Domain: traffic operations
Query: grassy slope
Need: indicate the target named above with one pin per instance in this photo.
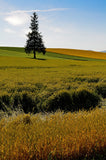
(23, 73)
(80, 53)
(12, 52)
(19, 52)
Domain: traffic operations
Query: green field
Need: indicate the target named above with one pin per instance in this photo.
(48, 74)
(40, 85)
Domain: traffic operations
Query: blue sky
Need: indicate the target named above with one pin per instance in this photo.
(77, 24)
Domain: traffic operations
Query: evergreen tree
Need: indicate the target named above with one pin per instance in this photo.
(34, 42)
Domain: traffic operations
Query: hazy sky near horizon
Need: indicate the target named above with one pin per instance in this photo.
(77, 24)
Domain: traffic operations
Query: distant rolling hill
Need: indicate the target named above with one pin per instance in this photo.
(104, 51)
(79, 53)
(55, 53)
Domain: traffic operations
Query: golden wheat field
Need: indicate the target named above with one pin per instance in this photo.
(80, 53)
(53, 136)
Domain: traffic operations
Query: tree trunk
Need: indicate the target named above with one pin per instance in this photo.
(34, 54)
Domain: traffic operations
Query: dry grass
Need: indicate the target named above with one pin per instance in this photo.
(80, 53)
(53, 136)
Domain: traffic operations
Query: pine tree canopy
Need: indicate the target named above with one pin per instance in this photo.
(34, 42)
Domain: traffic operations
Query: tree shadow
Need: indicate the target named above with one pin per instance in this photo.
(42, 59)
